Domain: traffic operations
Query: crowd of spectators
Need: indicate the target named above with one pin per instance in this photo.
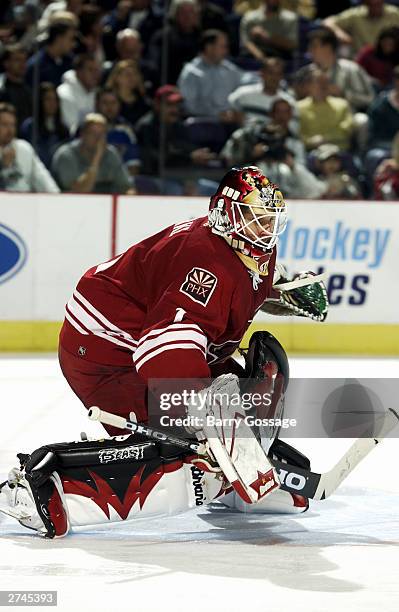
(154, 96)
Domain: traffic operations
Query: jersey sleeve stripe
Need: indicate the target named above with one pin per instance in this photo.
(92, 325)
(114, 340)
(100, 317)
(182, 335)
(167, 347)
(74, 323)
(171, 327)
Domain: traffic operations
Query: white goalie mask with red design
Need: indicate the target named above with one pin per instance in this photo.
(249, 211)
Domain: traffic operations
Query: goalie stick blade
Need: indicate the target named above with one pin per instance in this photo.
(297, 480)
(320, 486)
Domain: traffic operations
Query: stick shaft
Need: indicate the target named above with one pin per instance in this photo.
(320, 486)
(95, 414)
(300, 282)
(292, 479)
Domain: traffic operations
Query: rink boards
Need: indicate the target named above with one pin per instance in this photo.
(48, 241)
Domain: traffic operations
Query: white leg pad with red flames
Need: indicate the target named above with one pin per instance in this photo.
(101, 482)
(176, 491)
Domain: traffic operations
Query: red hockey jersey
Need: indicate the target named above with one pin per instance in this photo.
(172, 304)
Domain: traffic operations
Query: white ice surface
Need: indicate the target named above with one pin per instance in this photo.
(342, 555)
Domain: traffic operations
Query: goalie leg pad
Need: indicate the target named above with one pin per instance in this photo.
(105, 481)
(42, 508)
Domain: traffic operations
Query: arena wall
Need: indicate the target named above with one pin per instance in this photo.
(48, 241)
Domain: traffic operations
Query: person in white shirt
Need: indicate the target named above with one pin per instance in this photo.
(78, 91)
(20, 167)
(255, 101)
(347, 79)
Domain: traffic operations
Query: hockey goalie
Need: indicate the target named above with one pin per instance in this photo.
(174, 307)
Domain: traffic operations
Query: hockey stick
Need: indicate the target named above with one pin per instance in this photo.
(320, 486)
(293, 479)
(95, 414)
(300, 282)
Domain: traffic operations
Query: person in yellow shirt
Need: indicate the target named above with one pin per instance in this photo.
(324, 118)
(361, 25)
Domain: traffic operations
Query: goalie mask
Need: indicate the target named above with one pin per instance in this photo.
(248, 211)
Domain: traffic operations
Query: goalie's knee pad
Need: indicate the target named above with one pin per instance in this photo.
(267, 377)
(104, 481)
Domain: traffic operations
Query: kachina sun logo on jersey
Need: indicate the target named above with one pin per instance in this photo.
(13, 253)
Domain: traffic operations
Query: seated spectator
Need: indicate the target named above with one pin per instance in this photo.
(324, 118)
(386, 179)
(305, 8)
(182, 36)
(55, 57)
(72, 6)
(109, 105)
(380, 59)
(120, 133)
(51, 132)
(280, 156)
(282, 115)
(384, 116)
(127, 82)
(212, 16)
(269, 31)
(347, 79)
(261, 138)
(90, 32)
(20, 168)
(339, 184)
(383, 125)
(180, 154)
(78, 91)
(129, 47)
(254, 101)
(207, 81)
(142, 15)
(20, 20)
(12, 87)
(88, 164)
(360, 25)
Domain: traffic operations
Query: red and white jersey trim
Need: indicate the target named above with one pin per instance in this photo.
(87, 319)
(174, 336)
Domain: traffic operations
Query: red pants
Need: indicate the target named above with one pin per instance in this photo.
(113, 388)
(116, 389)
